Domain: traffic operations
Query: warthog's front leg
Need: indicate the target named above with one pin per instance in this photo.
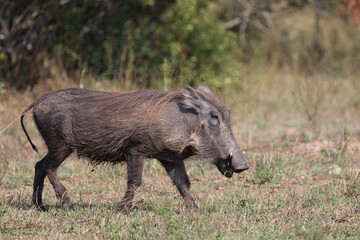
(178, 175)
(135, 167)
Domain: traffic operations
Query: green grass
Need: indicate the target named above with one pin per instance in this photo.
(263, 203)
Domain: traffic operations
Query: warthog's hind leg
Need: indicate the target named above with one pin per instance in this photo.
(54, 161)
(39, 184)
(47, 167)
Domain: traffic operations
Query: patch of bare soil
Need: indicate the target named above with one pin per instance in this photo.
(351, 146)
(7, 142)
(313, 147)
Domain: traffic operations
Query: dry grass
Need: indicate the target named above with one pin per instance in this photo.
(303, 182)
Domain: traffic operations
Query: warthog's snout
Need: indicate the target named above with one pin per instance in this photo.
(231, 164)
(239, 165)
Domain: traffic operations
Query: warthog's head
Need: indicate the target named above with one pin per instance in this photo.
(213, 138)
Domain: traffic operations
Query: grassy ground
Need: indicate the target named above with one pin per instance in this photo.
(302, 140)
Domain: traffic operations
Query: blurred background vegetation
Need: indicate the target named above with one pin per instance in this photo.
(172, 43)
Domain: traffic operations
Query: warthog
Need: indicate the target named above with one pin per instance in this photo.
(110, 127)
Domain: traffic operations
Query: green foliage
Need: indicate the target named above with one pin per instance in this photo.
(194, 46)
(127, 42)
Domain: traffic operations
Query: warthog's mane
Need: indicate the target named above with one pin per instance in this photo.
(155, 101)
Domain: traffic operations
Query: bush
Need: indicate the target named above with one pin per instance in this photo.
(135, 42)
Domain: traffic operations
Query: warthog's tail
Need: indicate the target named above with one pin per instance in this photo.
(23, 127)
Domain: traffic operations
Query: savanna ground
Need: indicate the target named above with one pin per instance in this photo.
(302, 140)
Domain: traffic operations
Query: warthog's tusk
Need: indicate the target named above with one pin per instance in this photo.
(228, 162)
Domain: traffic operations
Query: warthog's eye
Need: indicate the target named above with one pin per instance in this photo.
(214, 119)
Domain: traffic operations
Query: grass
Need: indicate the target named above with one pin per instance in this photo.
(291, 190)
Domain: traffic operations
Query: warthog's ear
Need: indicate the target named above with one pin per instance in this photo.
(205, 90)
(192, 100)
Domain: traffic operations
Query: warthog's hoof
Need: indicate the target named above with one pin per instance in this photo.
(65, 206)
(125, 208)
(40, 208)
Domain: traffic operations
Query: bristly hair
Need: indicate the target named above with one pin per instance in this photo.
(156, 101)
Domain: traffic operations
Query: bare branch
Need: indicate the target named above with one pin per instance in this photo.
(262, 21)
(242, 31)
(261, 27)
(245, 4)
(261, 13)
(232, 23)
